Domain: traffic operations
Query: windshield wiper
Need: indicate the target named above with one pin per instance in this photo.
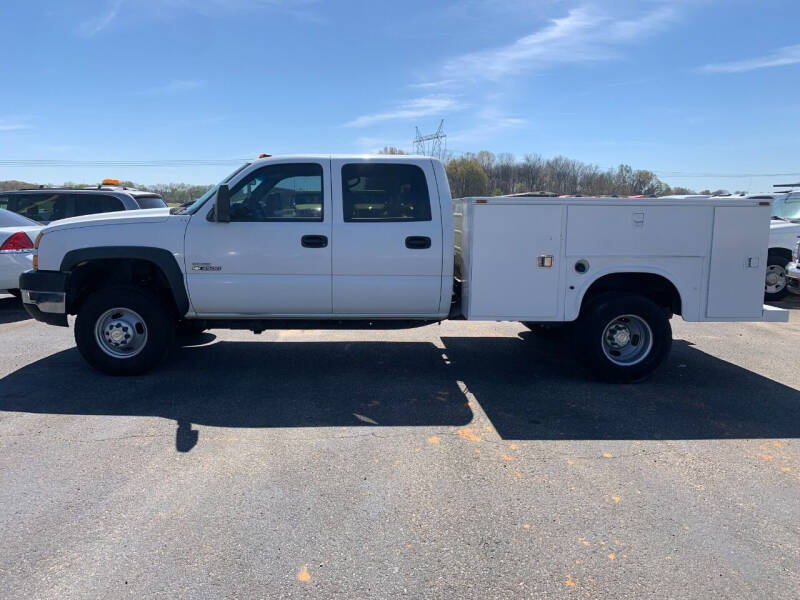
(779, 218)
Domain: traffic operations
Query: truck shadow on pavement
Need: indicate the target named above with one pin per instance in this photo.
(527, 390)
(11, 310)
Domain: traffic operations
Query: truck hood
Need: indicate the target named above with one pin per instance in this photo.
(783, 226)
(125, 217)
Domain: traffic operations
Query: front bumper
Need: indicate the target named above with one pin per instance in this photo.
(793, 277)
(44, 296)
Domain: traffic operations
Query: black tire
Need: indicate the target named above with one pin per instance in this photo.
(156, 319)
(591, 335)
(16, 293)
(547, 331)
(777, 261)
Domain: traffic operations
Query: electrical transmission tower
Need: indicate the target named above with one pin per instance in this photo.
(432, 145)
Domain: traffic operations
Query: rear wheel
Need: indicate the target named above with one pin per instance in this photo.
(123, 330)
(623, 337)
(775, 284)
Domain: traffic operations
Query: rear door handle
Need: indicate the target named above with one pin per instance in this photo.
(418, 242)
(314, 241)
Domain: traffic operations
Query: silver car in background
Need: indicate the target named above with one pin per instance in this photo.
(17, 237)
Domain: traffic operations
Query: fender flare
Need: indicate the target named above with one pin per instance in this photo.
(621, 270)
(163, 259)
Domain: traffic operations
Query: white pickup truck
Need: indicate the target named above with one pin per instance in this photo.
(784, 233)
(377, 241)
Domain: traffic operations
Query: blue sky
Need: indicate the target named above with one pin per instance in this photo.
(680, 87)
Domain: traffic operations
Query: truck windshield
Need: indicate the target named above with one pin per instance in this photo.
(787, 207)
(195, 206)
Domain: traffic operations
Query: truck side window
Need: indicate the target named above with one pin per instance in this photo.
(42, 207)
(91, 204)
(384, 192)
(285, 192)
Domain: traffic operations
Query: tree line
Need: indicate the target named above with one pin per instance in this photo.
(486, 173)
(172, 193)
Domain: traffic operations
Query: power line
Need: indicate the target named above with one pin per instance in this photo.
(183, 162)
(735, 175)
(429, 145)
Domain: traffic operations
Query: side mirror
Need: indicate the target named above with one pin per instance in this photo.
(222, 207)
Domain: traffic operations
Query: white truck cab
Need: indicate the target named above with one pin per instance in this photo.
(377, 241)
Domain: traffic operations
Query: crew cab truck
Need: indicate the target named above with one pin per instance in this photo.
(377, 241)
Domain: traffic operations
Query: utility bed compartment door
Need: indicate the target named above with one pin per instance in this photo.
(738, 262)
(638, 230)
(506, 281)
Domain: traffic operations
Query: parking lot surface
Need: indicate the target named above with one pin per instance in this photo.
(456, 461)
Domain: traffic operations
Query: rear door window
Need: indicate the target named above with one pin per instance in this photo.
(384, 192)
(43, 207)
(90, 204)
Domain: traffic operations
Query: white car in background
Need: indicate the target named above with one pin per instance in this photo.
(17, 236)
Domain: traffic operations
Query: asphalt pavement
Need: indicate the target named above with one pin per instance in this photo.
(462, 460)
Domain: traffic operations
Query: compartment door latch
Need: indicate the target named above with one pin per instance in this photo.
(544, 261)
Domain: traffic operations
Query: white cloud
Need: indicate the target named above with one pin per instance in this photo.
(435, 104)
(487, 123)
(97, 24)
(13, 125)
(175, 86)
(429, 85)
(584, 35)
(788, 55)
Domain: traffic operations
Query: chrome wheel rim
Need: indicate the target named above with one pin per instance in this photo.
(627, 340)
(120, 332)
(776, 279)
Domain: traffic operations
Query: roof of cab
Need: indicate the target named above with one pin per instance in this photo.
(375, 157)
(102, 189)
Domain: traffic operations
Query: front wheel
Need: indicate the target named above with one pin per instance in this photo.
(775, 284)
(623, 337)
(123, 330)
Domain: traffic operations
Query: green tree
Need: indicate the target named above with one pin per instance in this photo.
(390, 150)
(467, 178)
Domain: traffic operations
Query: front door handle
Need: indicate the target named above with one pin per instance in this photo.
(314, 241)
(418, 242)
